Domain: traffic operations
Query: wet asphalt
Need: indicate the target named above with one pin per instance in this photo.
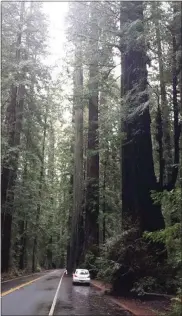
(37, 298)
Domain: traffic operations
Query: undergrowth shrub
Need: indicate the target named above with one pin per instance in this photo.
(176, 309)
(131, 264)
(125, 260)
(171, 236)
(90, 262)
(134, 265)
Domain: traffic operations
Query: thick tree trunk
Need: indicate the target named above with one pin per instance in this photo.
(23, 223)
(34, 254)
(69, 224)
(180, 64)
(51, 179)
(76, 242)
(103, 225)
(60, 243)
(41, 179)
(14, 117)
(92, 194)
(166, 160)
(180, 109)
(138, 178)
(81, 235)
(23, 242)
(159, 137)
(49, 253)
(68, 259)
(103, 173)
(104, 201)
(176, 32)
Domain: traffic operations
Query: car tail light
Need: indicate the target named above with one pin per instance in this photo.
(74, 275)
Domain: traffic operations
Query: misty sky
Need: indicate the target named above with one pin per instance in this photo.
(56, 12)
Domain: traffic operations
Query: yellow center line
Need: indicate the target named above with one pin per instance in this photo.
(20, 286)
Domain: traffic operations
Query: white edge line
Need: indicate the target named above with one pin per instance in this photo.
(55, 297)
(25, 276)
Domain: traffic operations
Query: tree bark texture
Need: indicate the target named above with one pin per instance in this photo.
(92, 194)
(14, 118)
(166, 160)
(41, 179)
(76, 242)
(138, 177)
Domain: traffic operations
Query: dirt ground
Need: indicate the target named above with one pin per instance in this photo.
(138, 307)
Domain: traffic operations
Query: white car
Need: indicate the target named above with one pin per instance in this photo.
(81, 276)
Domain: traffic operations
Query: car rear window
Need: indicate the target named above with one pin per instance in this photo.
(83, 272)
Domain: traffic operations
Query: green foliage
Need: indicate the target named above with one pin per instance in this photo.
(176, 307)
(146, 284)
(171, 235)
(106, 268)
(127, 254)
(121, 252)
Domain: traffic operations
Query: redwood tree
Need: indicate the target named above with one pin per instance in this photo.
(138, 177)
(92, 192)
(75, 243)
(14, 118)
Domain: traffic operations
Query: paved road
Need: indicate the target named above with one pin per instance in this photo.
(36, 298)
(9, 284)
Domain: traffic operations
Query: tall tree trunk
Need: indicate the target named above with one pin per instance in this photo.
(104, 199)
(92, 203)
(23, 242)
(22, 225)
(78, 160)
(23, 222)
(41, 179)
(166, 160)
(177, 129)
(61, 247)
(138, 177)
(103, 172)
(69, 224)
(159, 138)
(14, 117)
(51, 179)
(180, 63)
(63, 228)
(180, 86)
(85, 145)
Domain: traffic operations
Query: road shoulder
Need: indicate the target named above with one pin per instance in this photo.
(135, 306)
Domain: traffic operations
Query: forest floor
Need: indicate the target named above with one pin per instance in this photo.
(138, 307)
